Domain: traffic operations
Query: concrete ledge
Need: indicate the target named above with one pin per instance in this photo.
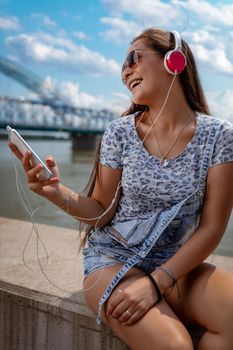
(45, 313)
(34, 313)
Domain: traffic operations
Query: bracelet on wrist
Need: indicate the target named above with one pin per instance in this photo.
(168, 273)
(63, 205)
(66, 204)
(159, 294)
(174, 281)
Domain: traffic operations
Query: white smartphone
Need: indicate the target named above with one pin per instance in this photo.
(23, 146)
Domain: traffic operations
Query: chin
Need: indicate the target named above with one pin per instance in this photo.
(140, 97)
(139, 101)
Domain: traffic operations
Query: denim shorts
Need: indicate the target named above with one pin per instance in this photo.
(95, 260)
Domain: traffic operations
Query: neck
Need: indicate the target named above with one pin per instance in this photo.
(173, 113)
(168, 119)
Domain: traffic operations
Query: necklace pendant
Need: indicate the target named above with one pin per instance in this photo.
(163, 162)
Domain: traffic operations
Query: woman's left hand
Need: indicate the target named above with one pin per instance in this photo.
(128, 305)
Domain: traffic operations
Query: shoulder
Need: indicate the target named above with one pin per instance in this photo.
(208, 121)
(223, 139)
(117, 131)
(224, 127)
(120, 127)
(122, 122)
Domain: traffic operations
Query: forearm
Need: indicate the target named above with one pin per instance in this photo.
(202, 243)
(84, 209)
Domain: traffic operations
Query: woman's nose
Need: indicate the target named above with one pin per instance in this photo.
(127, 72)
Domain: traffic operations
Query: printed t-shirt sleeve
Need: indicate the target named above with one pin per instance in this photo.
(223, 149)
(110, 150)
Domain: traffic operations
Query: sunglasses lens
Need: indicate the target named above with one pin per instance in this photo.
(130, 61)
(131, 57)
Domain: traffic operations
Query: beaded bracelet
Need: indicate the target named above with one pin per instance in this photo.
(159, 294)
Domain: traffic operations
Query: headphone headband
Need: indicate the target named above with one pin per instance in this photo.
(178, 44)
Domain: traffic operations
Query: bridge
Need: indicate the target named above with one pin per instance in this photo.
(48, 112)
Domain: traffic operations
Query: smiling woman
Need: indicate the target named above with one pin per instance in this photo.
(154, 209)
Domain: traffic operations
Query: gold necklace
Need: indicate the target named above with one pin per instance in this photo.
(162, 157)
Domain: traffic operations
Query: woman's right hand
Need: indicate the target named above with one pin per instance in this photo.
(45, 188)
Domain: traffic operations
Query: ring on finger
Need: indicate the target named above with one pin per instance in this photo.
(129, 313)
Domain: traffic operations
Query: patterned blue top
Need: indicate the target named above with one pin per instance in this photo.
(148, 186)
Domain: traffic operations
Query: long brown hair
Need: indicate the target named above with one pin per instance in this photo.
(161, 42)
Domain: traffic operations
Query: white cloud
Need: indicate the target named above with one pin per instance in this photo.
(201, 36)
(61, 53)
(69, 93)
(213, 59)
(120, 29)
(209, 13)
(49, 22)
(221, 104)
(118, 103)
(150, 11)
(173, 14)
(9, 23)
(59, 40)
(46, 20)
(212, 49)
(159, 13)
(146, 13)
(81, 35)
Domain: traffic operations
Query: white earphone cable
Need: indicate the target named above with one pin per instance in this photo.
(31, 213)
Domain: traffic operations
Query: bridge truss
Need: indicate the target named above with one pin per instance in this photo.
(49, 112)
(36, 115)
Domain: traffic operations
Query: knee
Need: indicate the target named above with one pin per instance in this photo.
(179, 342)
(171, 341)
(180, 345)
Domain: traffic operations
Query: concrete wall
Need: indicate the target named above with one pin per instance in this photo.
(46, 311)
(28, 324)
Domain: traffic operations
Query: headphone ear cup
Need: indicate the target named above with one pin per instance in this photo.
(175, 62)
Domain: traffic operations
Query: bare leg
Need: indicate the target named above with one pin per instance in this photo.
(158, 329)
(207, 299)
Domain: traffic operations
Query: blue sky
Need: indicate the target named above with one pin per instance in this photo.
(76, 47)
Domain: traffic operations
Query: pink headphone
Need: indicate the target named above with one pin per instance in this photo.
(174, 60)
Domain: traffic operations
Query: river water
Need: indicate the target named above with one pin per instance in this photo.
(75, 169)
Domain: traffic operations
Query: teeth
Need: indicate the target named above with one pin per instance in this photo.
(134, 83)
